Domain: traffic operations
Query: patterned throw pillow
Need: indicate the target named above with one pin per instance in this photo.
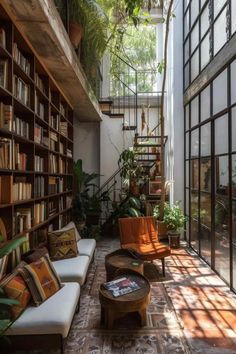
(15, 287)
(62, 244)
(41, 279)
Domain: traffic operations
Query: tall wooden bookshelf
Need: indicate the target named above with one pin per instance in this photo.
(36, 136)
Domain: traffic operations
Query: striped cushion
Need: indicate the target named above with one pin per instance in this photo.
(62, 244)
(15, 288)
(41, 279)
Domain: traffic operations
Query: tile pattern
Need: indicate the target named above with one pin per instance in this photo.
(191, 311)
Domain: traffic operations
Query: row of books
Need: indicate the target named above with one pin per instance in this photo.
(6, 116)
(54, 121)
(22, 220)
(4, 73)
(39, 187)
(39, 107)
(40, 213)
(52, 210)
(21, 90)
(40, 135)
(38, 163)
(19, 158)
(39, 83)
(5, 153)
(55, 185)
(62, 165)
(53, 140)
(20, 127)
(21, 59)
(64, 128)
(53, 164)
(2, 37)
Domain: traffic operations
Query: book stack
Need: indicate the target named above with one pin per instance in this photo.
(21, 127)
(19, 158)
(38, 163)
(5, 153)
(39, 213)
(52, 185)
(22, 220)
(39, 107)
(21, 59)
(40, 135)
(51, 208)
(2, 37)
(68, 201)
(69, 152)
(6, 116)
(64, 128)
(39, 187)
(53, 140)
(62, 110)
(62, 165)
(21, 190)
(54, 121)
(21, 90)
(3, 73)
(39, 83)
(53, 165)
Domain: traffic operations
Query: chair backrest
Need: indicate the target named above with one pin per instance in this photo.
(141, 230)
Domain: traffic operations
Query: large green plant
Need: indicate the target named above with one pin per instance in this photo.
(173, 216)
(6, 303)
(130, 168)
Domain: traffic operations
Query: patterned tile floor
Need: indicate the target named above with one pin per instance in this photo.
(191, 311)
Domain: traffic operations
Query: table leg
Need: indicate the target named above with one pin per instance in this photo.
(102, 315)
(109, 319)
(143, 317)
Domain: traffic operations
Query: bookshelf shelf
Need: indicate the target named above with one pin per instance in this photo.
(36, 128)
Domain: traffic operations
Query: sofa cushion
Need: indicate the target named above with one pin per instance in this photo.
(15, 288)
(46, 319)
(70, 226)
(86, 247)
(62, 244)
(41, 278)
(72, 269)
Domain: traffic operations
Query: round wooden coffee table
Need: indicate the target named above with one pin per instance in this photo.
(116, 307)
(121, 259)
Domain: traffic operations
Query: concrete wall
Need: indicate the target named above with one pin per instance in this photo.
(175, 113)
(87, 145)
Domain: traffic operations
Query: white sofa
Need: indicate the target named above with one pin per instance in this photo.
(53, 318)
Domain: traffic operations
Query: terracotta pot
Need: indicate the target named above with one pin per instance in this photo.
(75, 33)
(174, 239)
(162, 230)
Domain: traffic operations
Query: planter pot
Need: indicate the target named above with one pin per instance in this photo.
(75, 33)
(174, 239)
(162, 230)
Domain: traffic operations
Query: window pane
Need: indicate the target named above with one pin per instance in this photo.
(195, 143)
(220, 92)
(205, 175)
(194, 112)
(233, 82)
(186, 76)
(195, 37)
(205, 51)
(187, 117)
(218, 4)
(187, 201)
(194, 174)
(220, 35)
(186, 51)
(186, 2)
(186, 24)
(222, 175)
(194, 235)
(234, 242)
(203, 2)
(204, 21)
(187, 145)
(205, 235)
(234, 177)
(195, 65)
(206, 140)
(194, 10)
(233, 130)
(233, 16)
(205, 103)
(205, 209)
(221, 135)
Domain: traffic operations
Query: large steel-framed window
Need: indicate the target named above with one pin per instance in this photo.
(208, 26)
(210, 173)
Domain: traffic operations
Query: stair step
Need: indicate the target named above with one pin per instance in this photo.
(147, 145)
(146, 160)
(117, 115)
(147, 153)
(129, 127)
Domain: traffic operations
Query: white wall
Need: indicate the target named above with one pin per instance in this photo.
(87, 145)
(175, 113)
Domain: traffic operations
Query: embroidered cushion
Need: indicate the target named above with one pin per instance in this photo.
(62, 244)
(15, 287)
(41, 279)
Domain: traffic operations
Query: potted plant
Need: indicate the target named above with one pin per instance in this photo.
(174, 219)
(162, 227)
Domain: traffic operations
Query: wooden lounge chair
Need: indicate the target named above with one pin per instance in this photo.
(139, 235)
